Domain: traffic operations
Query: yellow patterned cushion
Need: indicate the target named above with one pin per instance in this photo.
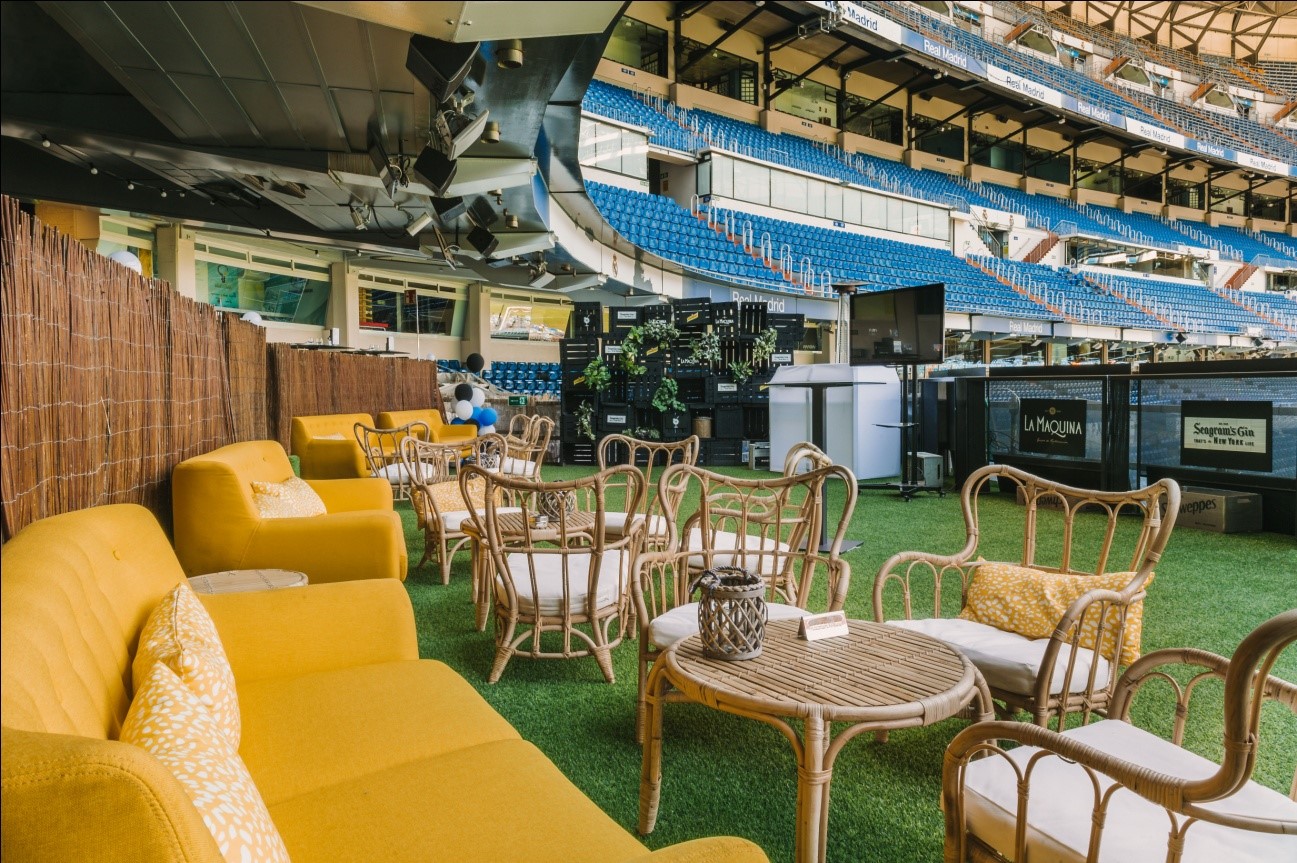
(292, 498)
(449, 498)
(180, 634)
(169, 722)
(1030, 602)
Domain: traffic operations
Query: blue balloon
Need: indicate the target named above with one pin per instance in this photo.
(457, 422)
(477, 415)
(488, 416)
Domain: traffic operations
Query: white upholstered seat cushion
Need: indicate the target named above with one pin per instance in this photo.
(395, 473)
(1136, 830)
(519, 467)
(613, 573)
(752, 556)
(682, 621)
(1008, 661)
(454, 521)
(614, 524)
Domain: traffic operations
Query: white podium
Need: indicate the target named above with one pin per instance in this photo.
(855, 400)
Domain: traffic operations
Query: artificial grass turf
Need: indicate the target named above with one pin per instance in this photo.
(727, 775)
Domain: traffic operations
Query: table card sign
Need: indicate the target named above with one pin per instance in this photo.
(1229, 435)
(830, 624)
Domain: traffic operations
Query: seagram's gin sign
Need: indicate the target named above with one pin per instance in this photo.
(1229, 435)
(1052, 427)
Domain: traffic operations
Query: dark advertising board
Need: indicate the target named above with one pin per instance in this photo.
(1230, 435)
(1052, 427)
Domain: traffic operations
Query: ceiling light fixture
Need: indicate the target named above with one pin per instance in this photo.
(510, 56)
(418, 223)
(491, 135)
(93, 170)
(511, 220)
(359, 218)
(130, 186)
(45, 142)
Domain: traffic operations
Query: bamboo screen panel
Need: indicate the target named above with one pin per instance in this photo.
(109, 379)
(311, 382)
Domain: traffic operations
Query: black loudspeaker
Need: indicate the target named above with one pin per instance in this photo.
(440, 66)
(482, 213)
(449, 209)
(483, 240)
(436, 171)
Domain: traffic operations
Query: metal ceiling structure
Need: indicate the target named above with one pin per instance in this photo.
(261, 115)
(1242, 29)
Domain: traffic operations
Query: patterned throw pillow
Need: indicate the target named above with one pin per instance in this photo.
(449, 498)
(1030, 602)
(292, 498)
(180, 634)
(172, 724)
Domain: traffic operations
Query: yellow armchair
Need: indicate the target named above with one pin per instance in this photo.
(440, 430)
(217, 526)
(326, 446)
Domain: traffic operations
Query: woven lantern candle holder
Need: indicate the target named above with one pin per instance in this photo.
(731, 612)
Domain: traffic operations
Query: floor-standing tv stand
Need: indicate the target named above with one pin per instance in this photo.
(909, 484)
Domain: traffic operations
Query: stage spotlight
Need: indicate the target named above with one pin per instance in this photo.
(483, 240)
(457, 131)
(481, 213)
(390, 174)
(510, 56)
(359, 218)
(418, 223)
(540, 277)
(440, 66)
(436, 171)
(1181, 338)
(449, 209)
(491, 134)
(511, 220)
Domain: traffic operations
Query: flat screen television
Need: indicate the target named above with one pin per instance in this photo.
(897, 327)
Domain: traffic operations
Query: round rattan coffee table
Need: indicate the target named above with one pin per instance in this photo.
(877, 678)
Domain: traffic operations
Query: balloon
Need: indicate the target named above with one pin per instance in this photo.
(463, 392)
(129, 260)
(478, 398)
(475, 363)
(477, 415)
(489, 416)
(463, 410)
(486, 430)
(457, 422)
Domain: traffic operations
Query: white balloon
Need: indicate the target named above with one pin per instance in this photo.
(464, 409)
(128, 260)
(486, 430)
(479, 397)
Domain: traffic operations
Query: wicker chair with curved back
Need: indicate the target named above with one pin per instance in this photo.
(767, 526)
(1112, 791)
(528, 439)
(567, 576)
(1067, 662)
(382, 450)
(650, 457)
(438, 501)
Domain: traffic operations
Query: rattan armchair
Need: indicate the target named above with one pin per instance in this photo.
(1094, 532)
(1114, 792)
(382, 450)
(770, 526)
(568, 576)
(528, 439)
(439, 504)
(650, 457)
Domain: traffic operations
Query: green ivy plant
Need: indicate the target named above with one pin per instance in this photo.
(667, 396)
(706, 349)
(764, 347)
(585, 420)
(598, 375)
(741, 371)
(644, 433)
(638, 338)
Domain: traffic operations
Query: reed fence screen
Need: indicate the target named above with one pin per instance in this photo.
(109, 379)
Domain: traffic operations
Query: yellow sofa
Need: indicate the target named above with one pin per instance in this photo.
(217, 526)
(360, 750)
(441, 431)
(326, 446)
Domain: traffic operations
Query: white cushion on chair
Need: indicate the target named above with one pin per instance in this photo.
(395, 473)
(614, 524)
(454, 521)
(613, 574)
(682, 621)
(519, 467)
(1136, 830)
(1007, 660)
(750, 558)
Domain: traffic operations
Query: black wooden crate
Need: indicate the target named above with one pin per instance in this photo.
(756, 389)
(682, 356)
(694, 314)
(721, 453)
(578, 453)
(659, 312)
(722, 390)
(578, 352)
(615, 418)
(727, 422)
(756, 421)
(694, 390)
(622, 318)
(674, 425)
(586, 320)
(725, 318)
(574, 380)
(752, 318)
